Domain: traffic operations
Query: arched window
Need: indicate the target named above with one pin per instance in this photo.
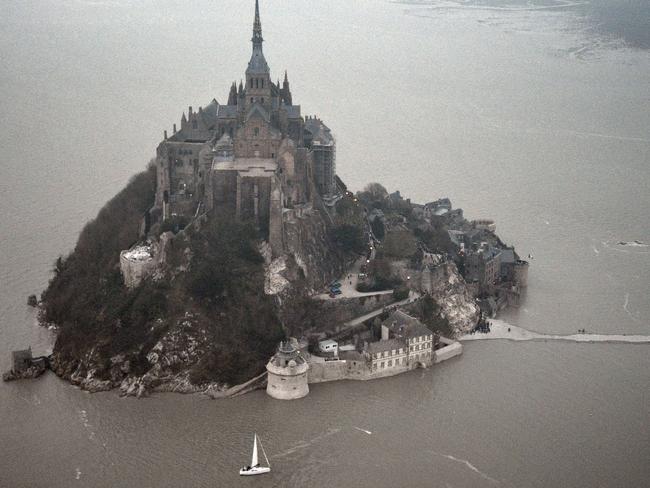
(262, 82)
(256, 131)
(257, 83)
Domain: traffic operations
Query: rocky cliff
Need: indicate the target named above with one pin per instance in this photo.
(208, 317)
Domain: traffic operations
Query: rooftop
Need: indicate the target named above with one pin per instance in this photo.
(250, 166)
(321, 134)
(403, 324)
(381, 346)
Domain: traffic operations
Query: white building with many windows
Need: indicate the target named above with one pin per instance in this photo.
(406, 343)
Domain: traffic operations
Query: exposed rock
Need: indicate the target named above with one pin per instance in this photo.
(32, 372)
(311, 249)
(456, 301)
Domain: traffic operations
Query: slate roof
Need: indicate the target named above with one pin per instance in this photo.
(209, 113)
(320, 132)
(258, 108)
(403, 324)
(226, 111)
(381, 346)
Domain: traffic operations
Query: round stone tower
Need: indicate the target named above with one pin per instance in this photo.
(521, 273)
(287, 373)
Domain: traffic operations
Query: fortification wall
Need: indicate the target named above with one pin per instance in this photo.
(450, 350)
(521, 273)
(349, 308)
(321, 372)
(328, 371)
(134, 271)
(135, 266)
(287, 387)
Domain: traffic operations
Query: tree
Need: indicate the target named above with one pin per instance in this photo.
(374, 195)
(378, 228)
(349, 238)
(376, 191)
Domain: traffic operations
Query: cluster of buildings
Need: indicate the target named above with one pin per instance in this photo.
(405, 344)
(255, 158)
(493, 271)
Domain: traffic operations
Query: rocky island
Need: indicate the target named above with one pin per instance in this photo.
(239, 235)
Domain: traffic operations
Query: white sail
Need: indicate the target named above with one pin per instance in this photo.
(264, 452)
(254, 461)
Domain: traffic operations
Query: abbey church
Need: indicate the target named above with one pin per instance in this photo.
(255, 158)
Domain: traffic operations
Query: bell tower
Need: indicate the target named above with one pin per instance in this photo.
(258, 77)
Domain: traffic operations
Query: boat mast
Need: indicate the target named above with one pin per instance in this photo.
(254, 461)
(264, 452)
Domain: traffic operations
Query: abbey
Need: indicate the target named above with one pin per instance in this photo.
(254, 158)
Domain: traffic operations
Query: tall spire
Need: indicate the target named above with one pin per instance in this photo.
(257, 26)
(257, 64)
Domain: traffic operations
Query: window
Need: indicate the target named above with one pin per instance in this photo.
(262, 100)
(256, 131)
(252, 100)
(382, 364)
(195, 124)
(262, 87)
(390, 363)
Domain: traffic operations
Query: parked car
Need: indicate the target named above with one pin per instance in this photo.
(336, 291)
(336, 284)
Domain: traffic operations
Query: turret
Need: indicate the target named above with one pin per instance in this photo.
(232, 96)
(286, 91)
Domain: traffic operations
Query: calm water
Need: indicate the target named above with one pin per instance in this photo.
(537, 117)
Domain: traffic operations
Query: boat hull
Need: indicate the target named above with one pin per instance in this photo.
(254, 471)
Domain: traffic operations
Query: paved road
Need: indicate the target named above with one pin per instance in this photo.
(349, 283)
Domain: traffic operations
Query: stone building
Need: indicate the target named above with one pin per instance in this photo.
(406, 343)
(287, 373)
(249, 158)
(483, 266)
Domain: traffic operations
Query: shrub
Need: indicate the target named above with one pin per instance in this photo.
(400, 293)
(349, 238)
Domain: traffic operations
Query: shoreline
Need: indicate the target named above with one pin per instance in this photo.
(504, 331)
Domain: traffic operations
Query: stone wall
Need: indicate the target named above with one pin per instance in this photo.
(449, 350)
(135, 270)
(287, 383)
(349, 308)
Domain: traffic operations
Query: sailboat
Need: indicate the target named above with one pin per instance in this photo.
(255, 467)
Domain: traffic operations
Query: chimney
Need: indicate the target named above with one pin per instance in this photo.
(384, 333)
(165, 133)
(174, 128)
(190, 111)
